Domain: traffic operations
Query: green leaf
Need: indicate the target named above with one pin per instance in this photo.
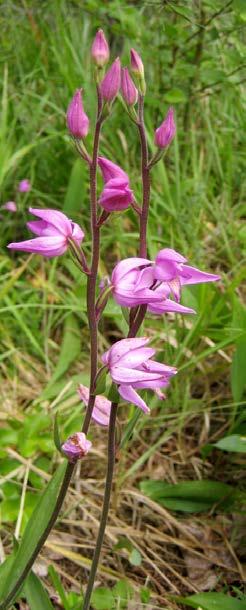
(70, 348)
(191, 496)
(238, 380)
(235, 442)
(175, 96)
(57, 439)
(123, 592)
(77, 187)
(33, 532)
(135, 557)
(102, 599)
(35, 594)
(58, 587)
(212, 601)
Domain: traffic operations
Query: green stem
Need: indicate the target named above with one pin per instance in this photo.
(106, 503)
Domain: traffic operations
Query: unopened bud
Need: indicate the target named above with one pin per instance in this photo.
(110, 85)
(77, 120)
(100, 50)
(166, 132)
(137, 69)
(128, 89)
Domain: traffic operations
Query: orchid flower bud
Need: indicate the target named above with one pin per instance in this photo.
(24, 186)
(128, 89)
(76, 446)
(137, 66)
(166, 132)
(77, 120)
(100, 50)
(137, 69)
(110, 85)
(10, 206)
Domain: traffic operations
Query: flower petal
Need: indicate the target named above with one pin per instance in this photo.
(128, 264)
(127, 376)
(120, 348)
(129, 394)
(191, 275)
(168, 306)
(55, 218)
(46, 246)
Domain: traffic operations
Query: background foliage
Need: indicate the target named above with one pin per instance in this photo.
(194, 57)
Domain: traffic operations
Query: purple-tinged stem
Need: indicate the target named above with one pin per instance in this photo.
(106, 503)
(145, 179)
(92, 278)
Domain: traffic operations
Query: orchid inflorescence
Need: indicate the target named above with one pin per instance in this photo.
(141, 285)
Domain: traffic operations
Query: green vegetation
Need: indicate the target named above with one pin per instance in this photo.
(194, 57)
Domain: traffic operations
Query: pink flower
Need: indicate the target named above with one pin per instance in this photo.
(128, 89)
(77, 120)
(100, 49)
(166, 132)
(116, 194)
(130, 367)
(24, 186)
(76, 446)
(54, 231)
(110, 85)
(134, 283)
(101, 410)
(170, 268)
(10, 206)
(137, 66)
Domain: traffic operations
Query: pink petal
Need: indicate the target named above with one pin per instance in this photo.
(168, 254)
(120, 348)
(111, 170)
(55, 218)
(137, 356)
(168, 306)
(127, 376)
(128, 264)
(46, 246)
(77, 233)
(129, 394)
(191, 275)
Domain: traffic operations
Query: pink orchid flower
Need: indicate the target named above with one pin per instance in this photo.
(101, 410)
(10, 206)
(134, 284)
(116, 194)
(130, 366)
(76, 446)
(54, 232)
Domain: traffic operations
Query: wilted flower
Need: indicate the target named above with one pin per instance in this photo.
(10, 206)
(101, 409)
(24, 186)
(54, 232)
(116, 194)
(100, 49)
(128, 89)
(76, 446)
(110, 84)
(130, 366)
(166, 132)
(77, 120)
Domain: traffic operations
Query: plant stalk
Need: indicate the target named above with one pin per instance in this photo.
(145, 180)
(106, 503)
